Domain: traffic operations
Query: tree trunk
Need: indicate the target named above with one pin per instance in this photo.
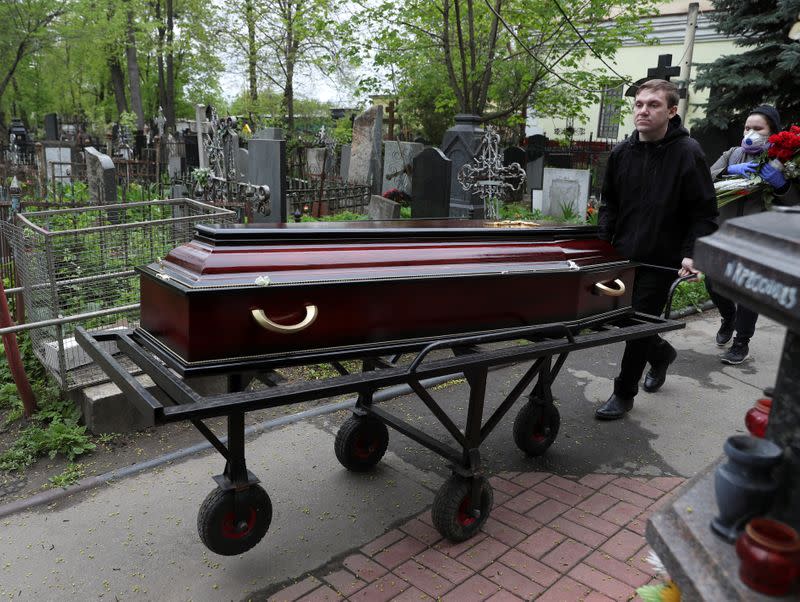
(169, 105)
(133, 73)
(118, 84)
(251, 49)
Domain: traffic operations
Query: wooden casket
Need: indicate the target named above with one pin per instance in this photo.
(249, 292)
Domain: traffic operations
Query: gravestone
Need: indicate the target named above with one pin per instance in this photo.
(176, 154)
(460, 144)
(344, 162)
(192, 156)
(57, 161)
(318, 160)
(515, 154)
(535, 151)
(382, 208)
(398, 164)
(243, 165)
(565, 188)
(202, 128)
(51, 126)
(101, 177)
(430, 187)
(365, 150)
(269, 133)
(230, 155)
(267, 166)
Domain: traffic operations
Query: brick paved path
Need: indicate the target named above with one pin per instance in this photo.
(548, 538)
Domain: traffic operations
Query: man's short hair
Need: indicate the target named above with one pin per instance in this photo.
(670, 90)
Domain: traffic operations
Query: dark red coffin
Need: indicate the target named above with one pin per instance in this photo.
(259, 291)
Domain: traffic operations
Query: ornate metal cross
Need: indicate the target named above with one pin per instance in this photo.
(488, 177)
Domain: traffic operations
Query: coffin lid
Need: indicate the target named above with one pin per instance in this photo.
(261, 255)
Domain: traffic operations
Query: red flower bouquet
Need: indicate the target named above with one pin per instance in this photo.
(785, 147)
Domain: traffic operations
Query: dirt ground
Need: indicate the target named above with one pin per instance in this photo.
(119, 451)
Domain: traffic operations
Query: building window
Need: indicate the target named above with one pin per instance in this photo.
(608, 127)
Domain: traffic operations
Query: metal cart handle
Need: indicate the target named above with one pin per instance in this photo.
(267, 324)
(611, 292)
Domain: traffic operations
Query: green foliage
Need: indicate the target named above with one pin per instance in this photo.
(343, 216)
(71, 474)
(405, 212)
(765, 72)
(690, 294)
(568, 213)
(517, 212)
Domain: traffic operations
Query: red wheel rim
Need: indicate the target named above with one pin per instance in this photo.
(363, 447)
(229, 528)
(465, 519)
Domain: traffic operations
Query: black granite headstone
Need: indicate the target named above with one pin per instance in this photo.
(192, 154)
(430, 186)
(460, 144)
(51, 126)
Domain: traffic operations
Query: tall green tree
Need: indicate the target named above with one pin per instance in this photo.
(767, 72)
(496, 58)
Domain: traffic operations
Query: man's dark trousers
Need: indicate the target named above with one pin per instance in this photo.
(743, 318)
(650, 291)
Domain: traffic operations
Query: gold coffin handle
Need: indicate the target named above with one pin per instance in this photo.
(267, 324)
(611, 292)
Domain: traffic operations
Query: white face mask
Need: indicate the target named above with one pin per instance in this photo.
(754, 143)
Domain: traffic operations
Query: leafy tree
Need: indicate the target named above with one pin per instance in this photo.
(765, 72)
(495, 58)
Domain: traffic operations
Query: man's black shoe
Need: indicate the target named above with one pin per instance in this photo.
(658, 373)
(614, 409)
(738, 352)
(724, 333)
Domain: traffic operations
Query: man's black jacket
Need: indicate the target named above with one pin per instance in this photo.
(658, 198)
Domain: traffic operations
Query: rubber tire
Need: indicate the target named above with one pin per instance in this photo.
(536, 427)
(450, 506)
(361, 443)
(215, 520)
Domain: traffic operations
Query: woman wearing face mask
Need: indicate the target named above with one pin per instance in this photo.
(742, 161)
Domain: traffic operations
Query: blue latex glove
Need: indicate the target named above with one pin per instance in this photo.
(772, 176)
(743, 169)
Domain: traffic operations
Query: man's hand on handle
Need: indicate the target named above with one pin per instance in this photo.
(687, 269)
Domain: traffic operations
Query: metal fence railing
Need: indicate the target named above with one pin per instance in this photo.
(76, 267)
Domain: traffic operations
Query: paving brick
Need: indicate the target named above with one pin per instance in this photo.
(666, 483)
(547, 511)
(639, 524)
(321, 594)
(475, 589)
(293, 592)
(596, 480)
(423, 578)
(500, 498)
(382, 590)
(508, 475)
(571, 486)
(597, 503)
(502, 532)
(508, 487)
(382, 542)
(623, 545)
(638, 487)
(426, 517)
(344, 582)
(620, 570)
(626, 495)
(516, 520)
(605, 584)
(483, 554)
(661, 502)
(593, 522)
(412, 594)
(565, 590)
(426, 533)
(597, 597)
(364, 568)
(621, 513)
(577, 532)
(399, 552)
(639, 561)
(447, 567)
(531, 568)
(524, 501)
(566, 555)
(456, 549)
(540, 543)
(529, 479)
(503, 596)
(512, 581)
(547, 490)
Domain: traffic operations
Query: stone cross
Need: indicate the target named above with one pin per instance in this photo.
(488, 177)
(664, 70)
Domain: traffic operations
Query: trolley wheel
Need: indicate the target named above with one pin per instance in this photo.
(217, 525)
(361, 443)
(451, 508)
(536, 427)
